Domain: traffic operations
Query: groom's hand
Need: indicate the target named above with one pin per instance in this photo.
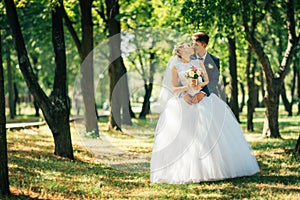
(188, 98)
(198, 97)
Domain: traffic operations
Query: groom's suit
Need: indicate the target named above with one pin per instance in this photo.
(212, 65)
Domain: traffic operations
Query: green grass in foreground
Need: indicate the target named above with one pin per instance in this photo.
(35, 173)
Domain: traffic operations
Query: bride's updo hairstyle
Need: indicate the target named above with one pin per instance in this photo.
(178, 47)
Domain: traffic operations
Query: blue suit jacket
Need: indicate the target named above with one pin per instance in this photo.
(212, 65)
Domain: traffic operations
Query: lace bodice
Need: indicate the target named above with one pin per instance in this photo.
(181, 70)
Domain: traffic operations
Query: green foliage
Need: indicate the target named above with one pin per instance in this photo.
(36, 173)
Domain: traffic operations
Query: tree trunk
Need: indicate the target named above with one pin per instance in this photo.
(251, 88)
(85, 50)
(35, 103)
(271, 124)
(298, 90)
(132, 115)
(4, 182)
(119, 92)
(297, 148)
(297, 64)
(87, 71)
(55, 109)
(243, 97)
(294, 85)
(234, 105)
(146, 103)
(148, 87)
(16, 99)
(262, 87)
(12, 111)
(287, 105)
(59, 97)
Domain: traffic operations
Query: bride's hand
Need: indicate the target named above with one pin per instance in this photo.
(198, 97)
(188, 98)
(198, 86)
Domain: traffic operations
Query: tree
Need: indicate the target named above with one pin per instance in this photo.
(118, 84)
(252, 88)
(85, 49)
(12, 108)
(56, 107)
(234, 104)
(4, 182)
(274, 80)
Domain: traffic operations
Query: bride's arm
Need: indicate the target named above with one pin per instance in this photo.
(175, 87)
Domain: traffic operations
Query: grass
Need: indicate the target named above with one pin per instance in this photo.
(36, 173)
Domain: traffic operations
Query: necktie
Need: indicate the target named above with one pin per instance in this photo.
(200, 58)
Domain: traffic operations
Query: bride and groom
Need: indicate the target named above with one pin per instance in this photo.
(197, 138)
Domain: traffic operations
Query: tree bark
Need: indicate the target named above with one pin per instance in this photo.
(297, 64)
(59, 96)
(117, 72)
(242, 86)
(55, 109)
(297, 148)
(271, 125)
(85, 50)
(146, 103)
(148, 88)
(262, 87)
(35, 103)
(4, 181)
(87, 71)
(298, 90)
(12, 111)
(16, 97)
(234, 105)
(251, 88)
(287, 105)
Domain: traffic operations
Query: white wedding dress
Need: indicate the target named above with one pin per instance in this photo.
(199, 142)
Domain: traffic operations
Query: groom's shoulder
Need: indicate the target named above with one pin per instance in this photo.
(214, 57)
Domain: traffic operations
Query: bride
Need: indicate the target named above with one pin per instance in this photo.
(196, 142)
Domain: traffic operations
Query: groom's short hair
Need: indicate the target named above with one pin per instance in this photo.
(201, 37)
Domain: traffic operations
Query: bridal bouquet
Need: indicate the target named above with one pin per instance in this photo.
(194, 73)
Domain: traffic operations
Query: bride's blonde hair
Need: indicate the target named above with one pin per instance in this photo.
(178, 47)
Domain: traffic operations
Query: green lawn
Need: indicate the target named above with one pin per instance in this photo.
(35, 173)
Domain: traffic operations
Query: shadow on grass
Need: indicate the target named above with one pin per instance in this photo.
(271, 143)
(266, 179)
(16, 197)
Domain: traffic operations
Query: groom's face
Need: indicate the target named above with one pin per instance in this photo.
(199, 47)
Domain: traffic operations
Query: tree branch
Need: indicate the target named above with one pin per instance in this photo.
(102, 15)
(293, 40)
(255, 45)
(71, 30)
(291, 20)
(267, 3)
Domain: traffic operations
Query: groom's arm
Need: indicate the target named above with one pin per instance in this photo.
(205, 90)
(200, 95)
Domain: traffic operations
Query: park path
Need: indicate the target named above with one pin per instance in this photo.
(20, 125)
(129, 151)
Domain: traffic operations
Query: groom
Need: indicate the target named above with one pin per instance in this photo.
(212, 65)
